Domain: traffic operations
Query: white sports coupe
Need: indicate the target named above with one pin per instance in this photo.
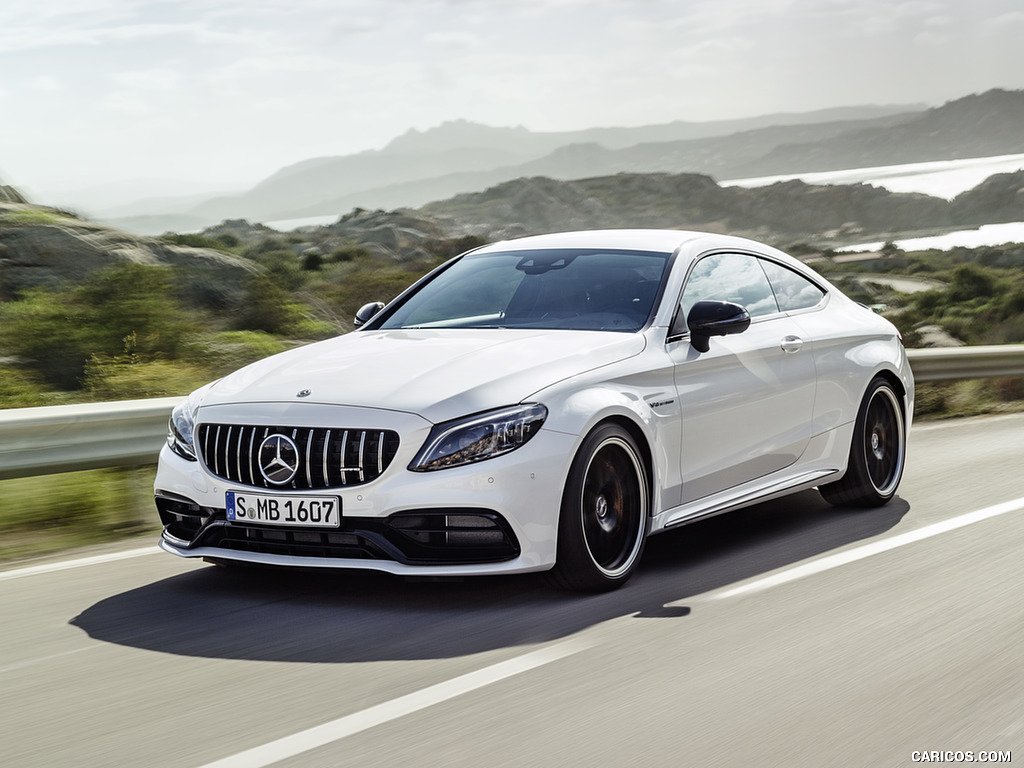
(544, 404)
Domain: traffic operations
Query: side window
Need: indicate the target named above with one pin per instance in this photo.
(732, 277)
(793, 291)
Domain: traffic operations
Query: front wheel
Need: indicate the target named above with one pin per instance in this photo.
(604, 516)
(877, 453)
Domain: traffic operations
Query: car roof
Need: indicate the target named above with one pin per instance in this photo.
(657, 240)
(663, 240)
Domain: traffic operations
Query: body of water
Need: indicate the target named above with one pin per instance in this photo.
(989, 234)
(287, 225)
(941, 178)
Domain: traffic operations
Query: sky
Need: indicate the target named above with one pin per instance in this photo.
(201, 95)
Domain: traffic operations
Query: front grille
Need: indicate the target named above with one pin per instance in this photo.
(326, 457)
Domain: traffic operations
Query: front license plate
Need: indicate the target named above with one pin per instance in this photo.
(291, 511)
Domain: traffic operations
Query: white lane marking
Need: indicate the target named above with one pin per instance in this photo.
(873, 548)
(51, 657)
(319, 735)
(969, 421)
(65, 565)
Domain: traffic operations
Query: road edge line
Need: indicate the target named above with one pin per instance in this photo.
(66, 565)
(335, 730)
(873, 548)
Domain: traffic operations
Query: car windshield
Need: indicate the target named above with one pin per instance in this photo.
(572, 289)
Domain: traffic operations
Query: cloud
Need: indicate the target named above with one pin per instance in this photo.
(454, 40)
(125, 104)
(31, 38)
(261, 67)
(45, 84)
(160, 79)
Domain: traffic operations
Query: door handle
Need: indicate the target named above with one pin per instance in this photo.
(791, 343)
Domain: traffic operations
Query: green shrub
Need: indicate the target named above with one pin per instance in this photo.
(197, 241)
(268, 307)
(24, 389)
(221, 353)
(350, 252)
(125, 377)
(129, 308)
(312, 261)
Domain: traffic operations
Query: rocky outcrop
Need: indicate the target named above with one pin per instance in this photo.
(42, 246)
(689, 201)
(242, 230)
(999, 198)
(396, 235)
(9, 194)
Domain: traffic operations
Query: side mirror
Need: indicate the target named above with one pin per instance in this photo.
(367, 312)
(715, 318)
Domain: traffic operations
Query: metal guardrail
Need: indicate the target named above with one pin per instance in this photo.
(945, 363)
(64, 438)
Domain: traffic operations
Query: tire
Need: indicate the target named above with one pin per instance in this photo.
(603, 522)
(877, 452)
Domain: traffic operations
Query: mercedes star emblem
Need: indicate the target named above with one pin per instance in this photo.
(279, 459)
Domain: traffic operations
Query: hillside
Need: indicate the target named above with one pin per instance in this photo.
(42, 246)
(981, 125)
(783, 212)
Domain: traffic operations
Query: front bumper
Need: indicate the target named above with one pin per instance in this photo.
(495, 516)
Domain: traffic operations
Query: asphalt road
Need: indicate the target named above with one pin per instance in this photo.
(787, 634)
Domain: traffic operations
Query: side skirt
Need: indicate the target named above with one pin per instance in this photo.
(725, 502)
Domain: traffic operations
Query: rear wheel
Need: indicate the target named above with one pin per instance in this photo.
(605, 508)
(877, 453)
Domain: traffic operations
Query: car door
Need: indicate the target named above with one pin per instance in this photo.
(746, 404)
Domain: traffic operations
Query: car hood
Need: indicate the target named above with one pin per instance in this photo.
(437, 374)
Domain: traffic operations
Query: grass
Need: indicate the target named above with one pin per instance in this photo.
(39, 515)
(31, 217)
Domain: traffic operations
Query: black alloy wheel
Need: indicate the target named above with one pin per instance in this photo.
(605, 513)
(877, 453)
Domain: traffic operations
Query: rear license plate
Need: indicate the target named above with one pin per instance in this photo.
(291, 511)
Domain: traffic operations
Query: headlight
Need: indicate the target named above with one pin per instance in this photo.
(479, 437)
(182, 423)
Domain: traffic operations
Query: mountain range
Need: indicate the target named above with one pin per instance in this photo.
(460, 156)
(420, 167)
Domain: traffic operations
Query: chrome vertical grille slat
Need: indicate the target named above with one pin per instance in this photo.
(251, 462)
(238, 453)
(309, 459)
(327, 457)
(216, 452)
(341, 463)
(362, 444)
(327, 442)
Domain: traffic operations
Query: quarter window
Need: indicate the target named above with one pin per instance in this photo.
(733, 277)
(792, 291)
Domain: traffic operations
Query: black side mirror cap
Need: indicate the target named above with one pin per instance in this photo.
(715, 318)
(366, 313)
